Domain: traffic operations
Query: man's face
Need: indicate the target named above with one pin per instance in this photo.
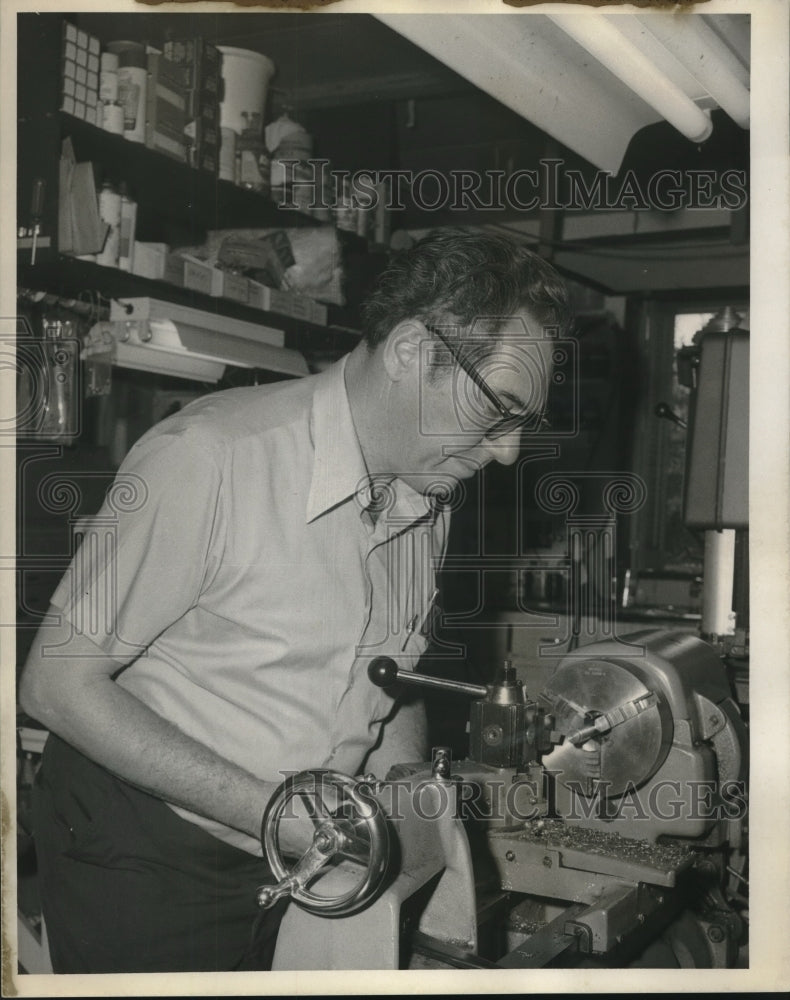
(450, 429)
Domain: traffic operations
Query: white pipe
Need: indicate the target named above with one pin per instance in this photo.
(632, 67)
(718, 581)
(700, 50)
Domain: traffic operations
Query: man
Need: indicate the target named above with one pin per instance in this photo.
(214, 631)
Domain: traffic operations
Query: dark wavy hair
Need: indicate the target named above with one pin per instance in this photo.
(453, 276)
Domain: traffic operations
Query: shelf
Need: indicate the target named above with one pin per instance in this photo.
(176, 204)
(167, 189)
(67, 276)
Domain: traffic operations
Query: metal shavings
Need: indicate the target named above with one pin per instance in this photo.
(556, 833)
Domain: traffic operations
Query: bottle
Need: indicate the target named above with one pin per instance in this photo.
(132, 82)
(254, 167)
(59, 410)
(288, 140)
(111, 119)
(110, 213)
(108, 78)
(345, 211)
(227, 156)
(127, 231)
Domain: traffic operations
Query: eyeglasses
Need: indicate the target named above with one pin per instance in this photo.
(509, 421)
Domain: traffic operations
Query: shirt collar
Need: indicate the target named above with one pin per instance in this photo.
(339, 470)
(338, 466)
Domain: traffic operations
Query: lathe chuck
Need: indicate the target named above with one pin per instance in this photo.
(616, 729)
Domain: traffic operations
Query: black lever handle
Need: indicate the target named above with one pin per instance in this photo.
(663, 410)
(384, 671)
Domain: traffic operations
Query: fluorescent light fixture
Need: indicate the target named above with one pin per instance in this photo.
(600, 37)
(152, 335)
(708, 59)
(591, 80)
(526, 63)
(152, 357)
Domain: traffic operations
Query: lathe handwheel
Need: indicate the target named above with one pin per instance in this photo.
(352, 822)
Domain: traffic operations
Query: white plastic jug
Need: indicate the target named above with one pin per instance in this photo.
(246, 77)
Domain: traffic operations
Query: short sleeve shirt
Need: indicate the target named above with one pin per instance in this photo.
(237, 569)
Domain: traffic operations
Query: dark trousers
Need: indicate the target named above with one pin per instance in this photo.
(129, 886)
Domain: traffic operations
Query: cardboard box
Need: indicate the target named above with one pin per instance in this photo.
(164, 73)
(209, 160)
(165, 118)
(149, 260)
(258, 295)
(79, 73)
(299, 307)
(279, 301)
(269, 299)
(205, 107)
(165, 113)
(203, 145)
(200, 62)
(286, 304)
(174, 269)
(318, 313)
(173, 148)
(230, 286)
(198, 276)
(203, 130)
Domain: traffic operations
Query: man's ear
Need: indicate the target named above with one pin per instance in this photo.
(402, 348)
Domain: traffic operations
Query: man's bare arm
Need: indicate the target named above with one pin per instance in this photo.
(73, 695)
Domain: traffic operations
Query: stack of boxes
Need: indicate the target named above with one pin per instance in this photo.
(166, 107)
(80, 80)
(182, 94)
(200, 63)
(182, 99)
(155, 260)
(287, 304)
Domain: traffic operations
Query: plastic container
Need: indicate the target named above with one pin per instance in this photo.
(288, 140)
(285, 132)
(246, 77)
(111, 119)
(108, 78)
